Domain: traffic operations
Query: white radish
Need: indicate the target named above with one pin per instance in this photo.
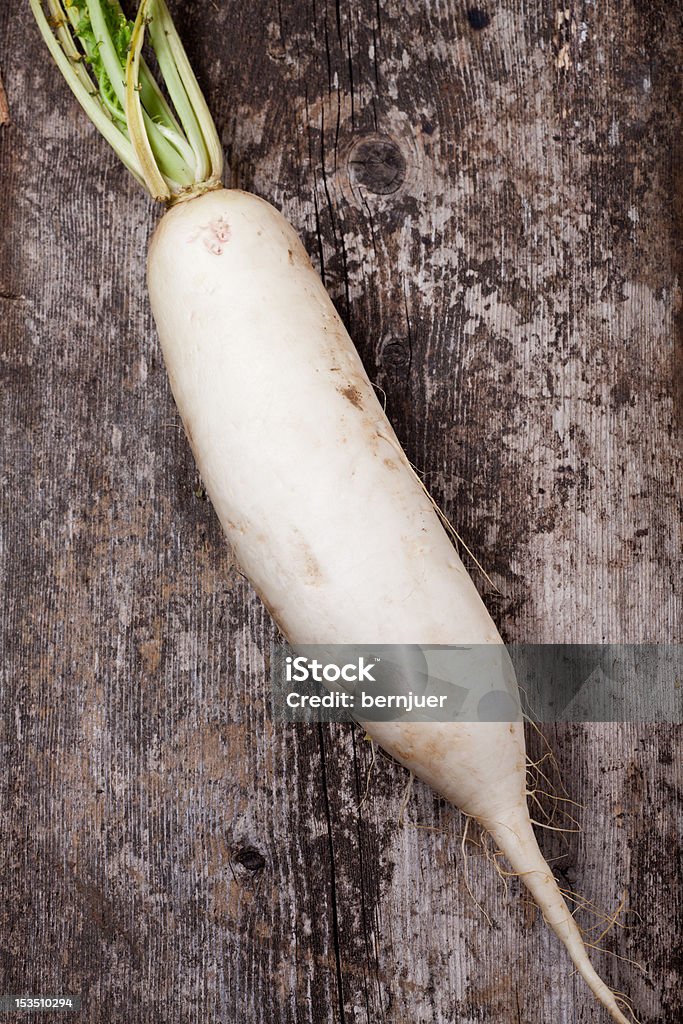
(324, 512)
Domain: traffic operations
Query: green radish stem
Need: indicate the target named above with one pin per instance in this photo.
(172, 148)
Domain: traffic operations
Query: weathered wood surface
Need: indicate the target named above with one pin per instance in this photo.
(495, 212)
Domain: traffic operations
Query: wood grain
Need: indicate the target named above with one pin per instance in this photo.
(491, 197)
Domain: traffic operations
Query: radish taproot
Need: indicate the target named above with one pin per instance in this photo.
(325, 514)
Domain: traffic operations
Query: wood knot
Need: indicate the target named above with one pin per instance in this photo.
(377, 164)
(250, 859)
(478, 18)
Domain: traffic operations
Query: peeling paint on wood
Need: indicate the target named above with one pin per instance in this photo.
(4, 108)
(490, 195)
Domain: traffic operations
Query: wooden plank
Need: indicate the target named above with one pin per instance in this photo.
(491, 199)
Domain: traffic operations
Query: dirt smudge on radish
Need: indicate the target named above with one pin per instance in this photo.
(353, 395)
(313, 573)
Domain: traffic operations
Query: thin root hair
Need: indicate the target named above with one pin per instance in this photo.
(558, 799)
(494, 856)
(378, 387)
(621, 1000)
(618, 956)
(370, 770)
(405, 799)
(466, 875)
(550, 756)
(445, 521)
(554, 828)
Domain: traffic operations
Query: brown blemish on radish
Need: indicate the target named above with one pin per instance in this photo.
(312, 572)
(353, 395)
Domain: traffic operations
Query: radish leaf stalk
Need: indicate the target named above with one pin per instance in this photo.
(174, 153)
